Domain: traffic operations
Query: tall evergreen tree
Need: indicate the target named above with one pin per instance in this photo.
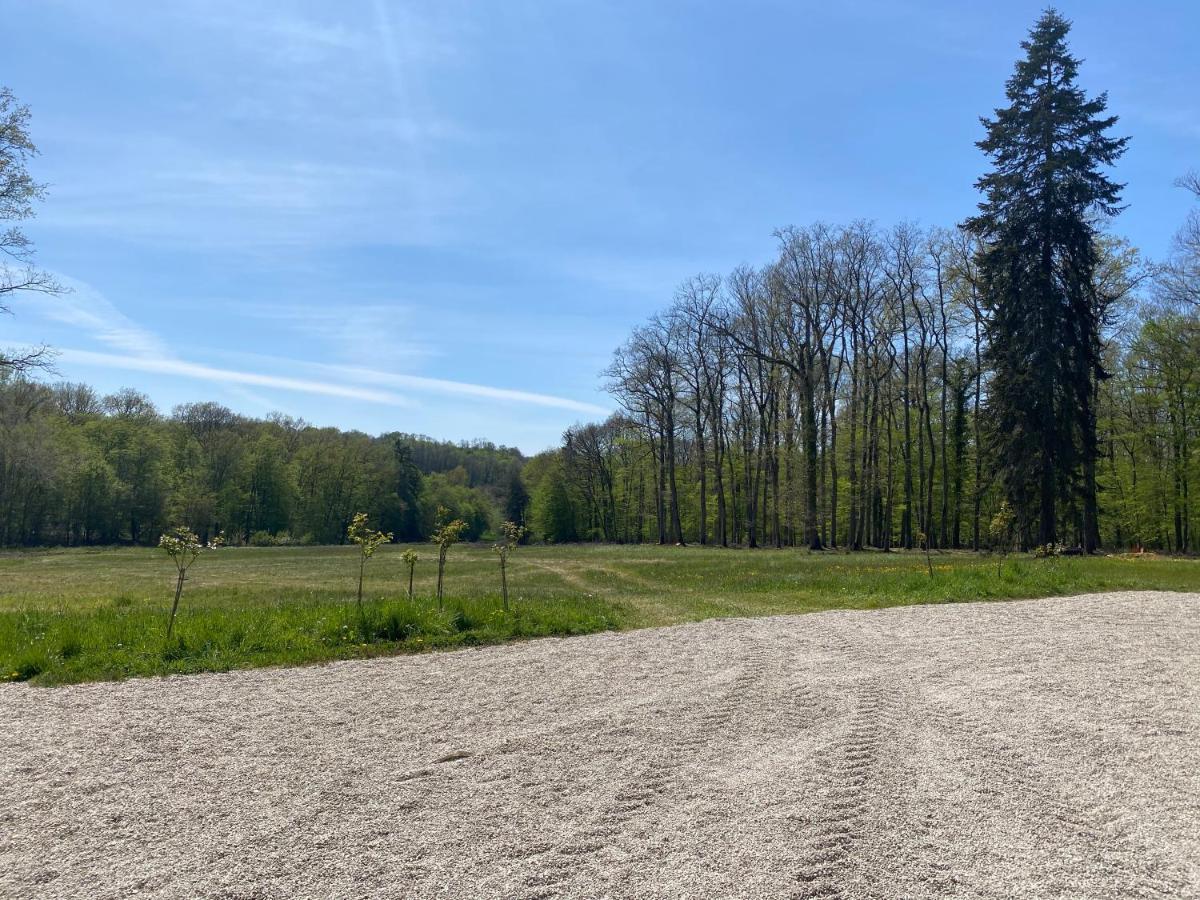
(518, 498)
(408, 491)
(1046, 190)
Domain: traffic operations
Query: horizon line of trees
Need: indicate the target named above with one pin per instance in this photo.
(80, 469)
(838, 397)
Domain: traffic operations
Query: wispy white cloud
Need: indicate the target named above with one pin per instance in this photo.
(329, 388)
(87, 309)
(170, 193)
(213, 374)
(318, 130)
(141, 350)
(466, 389)
(368, 331)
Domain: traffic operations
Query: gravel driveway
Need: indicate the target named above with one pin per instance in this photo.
(1048, 748)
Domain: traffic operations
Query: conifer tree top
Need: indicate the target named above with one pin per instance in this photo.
(1049, 146)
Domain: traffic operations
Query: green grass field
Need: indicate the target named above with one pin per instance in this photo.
(80, 615)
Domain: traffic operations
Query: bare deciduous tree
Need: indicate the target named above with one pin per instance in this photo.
(18, 193)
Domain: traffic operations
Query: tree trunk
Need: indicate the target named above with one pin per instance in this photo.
(175, 604)
(503, 582)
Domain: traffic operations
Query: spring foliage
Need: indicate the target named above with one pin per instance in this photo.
(183, 547)
(368, 542)
(511, 536)
(446, 533)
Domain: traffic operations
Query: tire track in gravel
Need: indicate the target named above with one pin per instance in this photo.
(598, 736)
(801, 706)
(653, 781)
(755, 763)
(550, 761)
(847, 769)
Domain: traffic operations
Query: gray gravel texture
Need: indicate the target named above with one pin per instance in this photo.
(1047, 748)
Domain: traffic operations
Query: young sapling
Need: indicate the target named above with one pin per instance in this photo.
(184, 548)
(410, 560)
(368, 542)
(445, 535)
(510, 536)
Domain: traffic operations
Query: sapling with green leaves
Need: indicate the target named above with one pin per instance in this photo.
(410, 561)
(445, 535)
(510, 536)
(1001, 530)
(368, 542)
(184, 547)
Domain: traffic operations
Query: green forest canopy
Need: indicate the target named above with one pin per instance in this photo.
(76, 468)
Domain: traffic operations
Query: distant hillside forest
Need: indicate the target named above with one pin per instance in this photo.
(76, 468)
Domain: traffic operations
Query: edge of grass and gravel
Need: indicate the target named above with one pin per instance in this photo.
(52, 647)
(60, 627)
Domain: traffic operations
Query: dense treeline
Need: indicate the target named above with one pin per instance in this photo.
(886, 388)
(838, 398)
(76, 468)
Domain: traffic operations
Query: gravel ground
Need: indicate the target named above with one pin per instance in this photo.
(1037, 749)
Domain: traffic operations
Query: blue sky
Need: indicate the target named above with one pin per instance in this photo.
(441, 217)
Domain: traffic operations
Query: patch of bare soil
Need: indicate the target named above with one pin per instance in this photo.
(1042, 748)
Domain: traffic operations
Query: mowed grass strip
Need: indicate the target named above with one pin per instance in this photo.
(82, 615)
